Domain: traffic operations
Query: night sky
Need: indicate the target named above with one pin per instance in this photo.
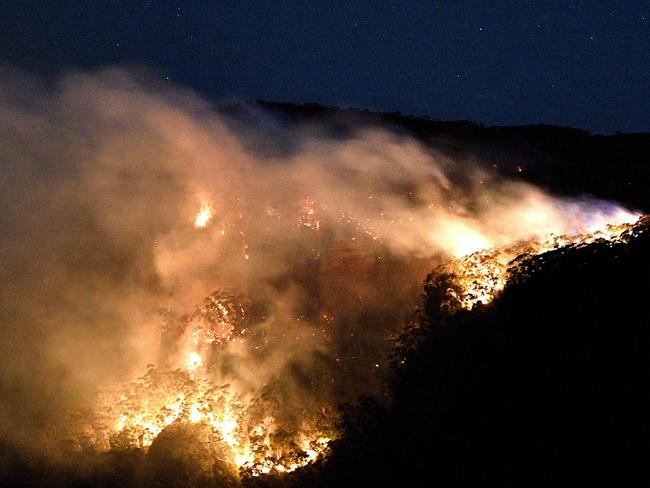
(574, 63)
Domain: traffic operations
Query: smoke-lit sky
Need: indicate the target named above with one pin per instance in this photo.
(575, 63)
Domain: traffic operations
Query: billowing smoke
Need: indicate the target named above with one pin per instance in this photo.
(127, 203)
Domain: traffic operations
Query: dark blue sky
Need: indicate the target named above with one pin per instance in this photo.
(576, 63)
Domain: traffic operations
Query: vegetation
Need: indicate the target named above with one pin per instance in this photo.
(517, 391)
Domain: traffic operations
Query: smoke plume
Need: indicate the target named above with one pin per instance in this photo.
(126, 202)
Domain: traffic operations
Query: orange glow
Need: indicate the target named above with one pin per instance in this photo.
(203, 217)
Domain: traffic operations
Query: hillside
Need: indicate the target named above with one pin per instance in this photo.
(565, 160)
(553, 362)
(519, 390)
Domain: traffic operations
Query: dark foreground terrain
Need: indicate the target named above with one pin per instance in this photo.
(546, 384)
(549, 383)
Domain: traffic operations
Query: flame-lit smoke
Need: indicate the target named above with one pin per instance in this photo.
(261, 278)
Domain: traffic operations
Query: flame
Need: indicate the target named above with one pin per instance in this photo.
(256, 441)
(464, 240)
(203, 217)
(481, 276)
(161, 399)
(194, 361)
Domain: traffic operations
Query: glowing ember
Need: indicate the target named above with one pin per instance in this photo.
(218, 317)
(308, 215)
